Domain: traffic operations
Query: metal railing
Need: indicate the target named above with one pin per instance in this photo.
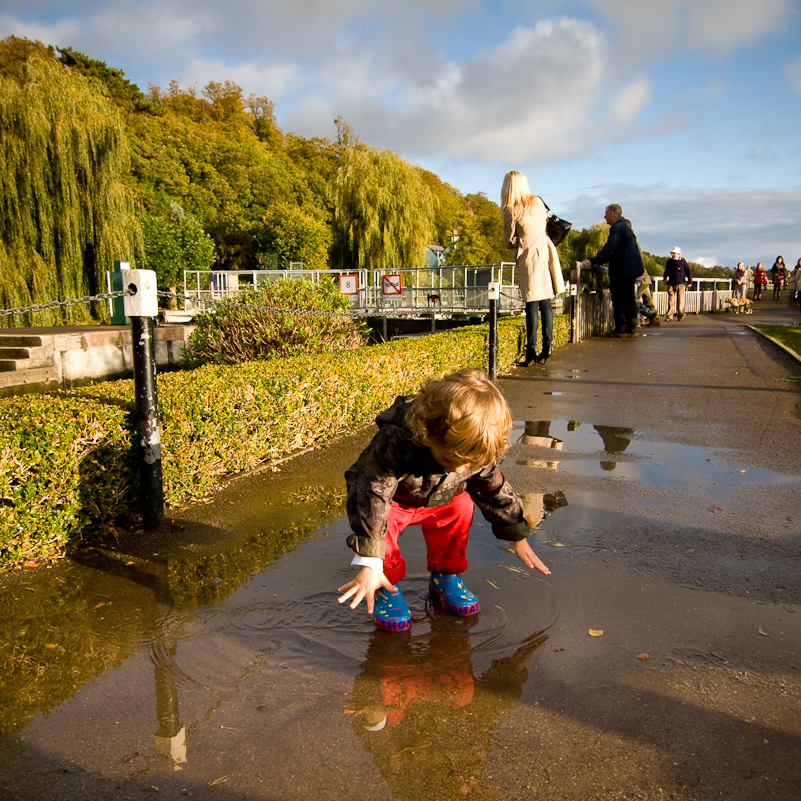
(458, 289)
(445, 292)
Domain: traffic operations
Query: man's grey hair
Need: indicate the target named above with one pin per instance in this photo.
(615, 209)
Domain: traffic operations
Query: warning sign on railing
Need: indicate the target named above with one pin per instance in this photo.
(390, 286)
(349, 284)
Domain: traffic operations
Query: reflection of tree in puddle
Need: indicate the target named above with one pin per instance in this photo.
(615, 440)
(425, 718)
(538, 505)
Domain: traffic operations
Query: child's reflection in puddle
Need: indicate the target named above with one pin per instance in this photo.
(423, 715)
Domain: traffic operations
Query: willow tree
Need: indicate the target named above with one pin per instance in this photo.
(65, 213)
(383, 212)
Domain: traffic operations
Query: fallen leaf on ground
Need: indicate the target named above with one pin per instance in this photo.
(596, 632)
(715, 510)
(219, 781)
(31, 564)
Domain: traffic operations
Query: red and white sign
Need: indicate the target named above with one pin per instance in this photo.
(349, 284)
(391, 286)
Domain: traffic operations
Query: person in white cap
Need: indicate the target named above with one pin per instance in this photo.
(678, 275)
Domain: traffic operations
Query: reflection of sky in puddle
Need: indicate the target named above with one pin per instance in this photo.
(655, 463)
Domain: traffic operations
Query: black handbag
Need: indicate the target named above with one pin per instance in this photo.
(555, 227)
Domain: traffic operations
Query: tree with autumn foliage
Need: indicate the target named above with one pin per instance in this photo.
(67, 213)
(383, 211)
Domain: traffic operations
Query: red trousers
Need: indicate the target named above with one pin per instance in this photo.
(445, 529)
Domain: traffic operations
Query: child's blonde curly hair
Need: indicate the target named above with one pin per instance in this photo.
(464, 416)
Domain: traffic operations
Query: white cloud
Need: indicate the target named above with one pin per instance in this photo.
(259, 77)
(793, 74)
(630, 102)
(678, 25)
(57, 33)
(529, 96)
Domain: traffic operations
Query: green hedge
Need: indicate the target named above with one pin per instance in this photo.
(66, 461)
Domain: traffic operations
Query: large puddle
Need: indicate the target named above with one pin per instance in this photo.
(133, 664)
(571, 447)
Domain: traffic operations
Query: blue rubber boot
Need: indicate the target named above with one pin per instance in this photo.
(390, 610)
(447, 588)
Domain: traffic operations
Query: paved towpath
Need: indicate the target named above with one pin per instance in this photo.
(660, 660)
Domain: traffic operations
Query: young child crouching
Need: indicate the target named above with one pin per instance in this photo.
(434, 456)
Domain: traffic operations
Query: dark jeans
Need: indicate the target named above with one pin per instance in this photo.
(535, 309)
(624, 303)
(643, 310)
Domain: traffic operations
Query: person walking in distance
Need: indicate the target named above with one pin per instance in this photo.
(760, 281)
(740, 285)
(678, 275)
(779, 274)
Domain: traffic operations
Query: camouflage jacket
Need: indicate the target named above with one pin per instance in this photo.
(392, 467)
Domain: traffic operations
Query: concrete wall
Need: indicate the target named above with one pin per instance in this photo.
(71, 357)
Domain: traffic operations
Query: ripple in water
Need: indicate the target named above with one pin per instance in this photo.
(320, 631)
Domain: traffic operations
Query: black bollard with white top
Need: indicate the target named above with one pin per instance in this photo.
(143, 308)
(493, 295)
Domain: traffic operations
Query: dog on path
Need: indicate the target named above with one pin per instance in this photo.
(738, 305)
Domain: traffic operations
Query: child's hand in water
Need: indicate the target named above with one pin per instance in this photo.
(365, 584)
(529, 558)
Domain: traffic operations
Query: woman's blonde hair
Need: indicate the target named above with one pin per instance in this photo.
(515, 194)
(463, 415)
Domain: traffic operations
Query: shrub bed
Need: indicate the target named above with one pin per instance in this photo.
(66, 459)
(251, 328)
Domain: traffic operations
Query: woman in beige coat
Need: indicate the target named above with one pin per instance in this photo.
(539, 273)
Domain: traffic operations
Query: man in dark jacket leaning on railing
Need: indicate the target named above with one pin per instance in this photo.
(625, 267)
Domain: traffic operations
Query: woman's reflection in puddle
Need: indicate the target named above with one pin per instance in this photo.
(425, 718)
(538, 433)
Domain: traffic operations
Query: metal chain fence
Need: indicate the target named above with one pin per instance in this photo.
(355, 313)
(55, 304)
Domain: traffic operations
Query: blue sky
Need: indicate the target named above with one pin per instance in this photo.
(686, 112)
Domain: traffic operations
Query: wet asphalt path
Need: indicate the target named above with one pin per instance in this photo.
(662, 474)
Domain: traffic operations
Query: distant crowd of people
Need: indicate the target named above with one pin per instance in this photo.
(780, 276)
